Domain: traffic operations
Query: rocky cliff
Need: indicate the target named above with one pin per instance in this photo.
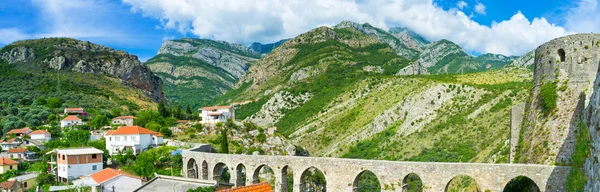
(265, 48)
(525, 61)
(197, 70)
(410, 38)
(83, 57)
(564, 76)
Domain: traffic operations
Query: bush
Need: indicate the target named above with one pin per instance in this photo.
(549, 97)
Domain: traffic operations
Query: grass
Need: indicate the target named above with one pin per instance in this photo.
(577, 177)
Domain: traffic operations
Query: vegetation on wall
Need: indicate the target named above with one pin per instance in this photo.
(577, 177)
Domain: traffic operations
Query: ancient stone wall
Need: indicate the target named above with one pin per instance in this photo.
(516, 122)
(340, 174)
(571, 62)
(592, 117)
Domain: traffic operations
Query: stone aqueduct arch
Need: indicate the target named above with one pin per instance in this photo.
(341, 173)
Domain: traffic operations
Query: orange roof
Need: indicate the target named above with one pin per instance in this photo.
(107, 174)
(261, 187)
(131, 130)
(181, 121)
(21, 130)
(74, 109)
(213, 108)
(71, 118)
(7, 161)
(39, 132)
(7, 184)
(17, 150)
(124, 117)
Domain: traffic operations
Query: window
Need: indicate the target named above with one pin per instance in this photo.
(117, 138)
(25, 184)
(133, 138)
(124, 138)
(94, 156)
(94, 167)
(109, 138)
(63, 157)
(10, 167)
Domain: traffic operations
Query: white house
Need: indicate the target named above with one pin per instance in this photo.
(19, 132)
(135, 138)
(217, 114)
(40, 135)
(70, 121)
(73, 111)
(109, 180)
(10, 143)
(123, 120)
(72, 163)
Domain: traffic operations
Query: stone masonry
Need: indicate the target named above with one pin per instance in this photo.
(341, 174)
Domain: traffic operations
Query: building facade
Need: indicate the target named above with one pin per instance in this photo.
(123, 120)
(217, 114)
(133, 138)
(40, 135)
(70, 120)
(19, 132)
(73, 111)
(72, 163)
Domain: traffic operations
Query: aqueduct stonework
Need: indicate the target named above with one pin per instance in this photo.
(340, 174)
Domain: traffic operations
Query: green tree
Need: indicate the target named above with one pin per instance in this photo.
(153, 126)
(77, 136)
(188, 110)
(99, 121)
(115, 112)
(165, 131)
(224, 143)
(144, 165)
(162, 110)
(147, 116)
(549, 96)
(54, 102)
(44, 178)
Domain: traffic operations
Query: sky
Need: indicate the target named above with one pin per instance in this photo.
(509, 27)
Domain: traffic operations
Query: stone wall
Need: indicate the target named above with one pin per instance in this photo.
(572, 63)
(592, 117)
(340, 174)
(516, 122)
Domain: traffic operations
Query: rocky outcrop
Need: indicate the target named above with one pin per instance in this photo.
(410, 38)
(265, 48)
(400, 47)
(525, 61)
(86, 57)
(270, 112)
(571, 63)
(434, 53)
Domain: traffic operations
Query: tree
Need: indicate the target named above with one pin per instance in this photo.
(77, 136)
(54, 102)
(162, 110)
(99, 121)
(188, 110)
(115, 112)
(178, 112)
(144, 165)
(224, 143)
(165, 131)
(147, 116)
(44, 178)
(153, 126)
(198, 127)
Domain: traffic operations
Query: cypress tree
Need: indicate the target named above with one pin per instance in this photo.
(224, 143)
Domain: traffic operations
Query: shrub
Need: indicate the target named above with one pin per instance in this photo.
(549, 96)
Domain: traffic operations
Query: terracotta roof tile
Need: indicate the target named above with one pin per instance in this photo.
(39, 132)
(7, 161)
(213, 108)
(107, 174)
(131, 130)
(7, 184)
(74, 109)
(124, 117)
(260, 187)
(17, 150)
(21, 130)
(71, 118)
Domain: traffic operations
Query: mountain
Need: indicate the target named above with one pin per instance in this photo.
(446, 57)
(265, 48)
(334, 91)
(410, 38)
(525, 61)
(197, 70)
(79, 73)
(403, 47)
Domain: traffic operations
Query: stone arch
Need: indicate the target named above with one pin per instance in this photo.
(287, 179)
(462, 183)
(357, 186)
(313, 179)
(561, 54)
(204, 170)
(192, 169)
(521, 183)
(221, 173)
(240, 179)
(266, 170)
(412, 183)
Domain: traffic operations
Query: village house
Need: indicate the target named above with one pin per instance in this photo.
(19, 132)
(42, 135)
(22, 154)
(7, 164)
(70, 120)
(72, 163)
(26, 182)
(135, 138)
(109, 180)
(217, 114)
(123, 120)
(72, 111)
(35, 143)
(11, 186)
(7, 144)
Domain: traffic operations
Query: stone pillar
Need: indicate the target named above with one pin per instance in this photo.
(516, 121)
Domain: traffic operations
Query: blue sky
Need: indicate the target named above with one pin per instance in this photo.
(510, 27)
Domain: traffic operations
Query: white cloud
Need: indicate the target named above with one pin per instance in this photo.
(271, 20)
(10, 35)
(480, 9)
(461, 4)
(584, 18)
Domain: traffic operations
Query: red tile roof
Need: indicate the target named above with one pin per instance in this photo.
(39, 132)
(17, 150)
(131, 130)
(7, 161)
(71, 118)
(8, 141)
(213, 108)
(181, 121)
(74, 109)
(124, 117)
(21, 130)
(107, 174)
(260, 187)
(7, 184)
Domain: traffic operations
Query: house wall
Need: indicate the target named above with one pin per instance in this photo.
(6, 147)
(16, 155)
(30, 183)
(70, 123)
(74, 171)
(5, 168)
(79, 159)
(226, 114)
(45, 137)
(126, 122)
(122, 183)
(140, 142)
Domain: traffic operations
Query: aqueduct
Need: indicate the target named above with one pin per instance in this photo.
(341, 174)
